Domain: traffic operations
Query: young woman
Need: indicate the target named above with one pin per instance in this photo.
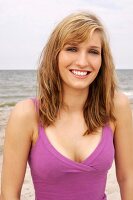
(79, 122)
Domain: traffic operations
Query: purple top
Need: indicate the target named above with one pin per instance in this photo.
(58, 177)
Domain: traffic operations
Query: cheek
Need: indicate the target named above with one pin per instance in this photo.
(98, 64)
(95, 60)
(96, 69)
(61, 64)
(61, 60)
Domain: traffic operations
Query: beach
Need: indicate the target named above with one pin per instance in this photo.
(112, 189)
(17, 85)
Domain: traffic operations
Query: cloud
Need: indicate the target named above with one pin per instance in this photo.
(25, 26)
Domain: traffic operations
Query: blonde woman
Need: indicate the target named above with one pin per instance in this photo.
(79, 122)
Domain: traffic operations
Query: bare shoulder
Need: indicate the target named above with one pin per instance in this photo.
(121, 102)
(23, 116)
(123, 112)
(24, 108)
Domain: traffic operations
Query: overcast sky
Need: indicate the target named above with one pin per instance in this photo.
(26, 24)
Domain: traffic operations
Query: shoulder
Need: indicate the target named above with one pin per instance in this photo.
(121, 101)
(24, 109)
(122, 108)
(23, 116)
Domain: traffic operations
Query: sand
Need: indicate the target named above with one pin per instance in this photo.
(112, 189)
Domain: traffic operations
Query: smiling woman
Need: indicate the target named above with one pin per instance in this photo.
(78, 123)
(79, 42)
(83, 60)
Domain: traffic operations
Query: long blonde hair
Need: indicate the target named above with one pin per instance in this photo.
(99, 106)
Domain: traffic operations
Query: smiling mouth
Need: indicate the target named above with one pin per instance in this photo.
(79, 72)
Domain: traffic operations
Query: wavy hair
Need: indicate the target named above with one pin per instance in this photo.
(99, 107)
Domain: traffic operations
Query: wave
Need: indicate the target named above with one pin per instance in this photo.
(7, 104)
(11, 102)
(129, 93)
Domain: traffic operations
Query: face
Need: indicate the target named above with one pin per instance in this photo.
(79, 64)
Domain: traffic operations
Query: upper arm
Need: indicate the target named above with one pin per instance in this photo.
(18, 137)
(123, 137)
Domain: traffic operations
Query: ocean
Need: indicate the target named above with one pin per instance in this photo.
(16, 85)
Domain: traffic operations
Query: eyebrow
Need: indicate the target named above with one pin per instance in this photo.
(96, 47)
(71, 44)
(76, 44)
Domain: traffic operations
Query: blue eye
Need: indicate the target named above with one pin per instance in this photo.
(72, 49)
(94, 52)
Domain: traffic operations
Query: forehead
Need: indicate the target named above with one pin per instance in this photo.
(94, 39)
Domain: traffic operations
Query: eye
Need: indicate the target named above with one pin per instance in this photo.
(93, 51)
(72, 49)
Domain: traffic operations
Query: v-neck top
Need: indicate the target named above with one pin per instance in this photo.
(58, 177)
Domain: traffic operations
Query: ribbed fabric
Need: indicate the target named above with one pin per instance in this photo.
(56, 177)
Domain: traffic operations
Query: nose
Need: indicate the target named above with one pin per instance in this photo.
(81, 59)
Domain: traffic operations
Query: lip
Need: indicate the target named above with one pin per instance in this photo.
(79, 70)
(79, 76)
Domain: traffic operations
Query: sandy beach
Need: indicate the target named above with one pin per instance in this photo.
(112, 189)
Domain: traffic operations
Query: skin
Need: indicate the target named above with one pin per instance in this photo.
(83, 56)
(22, 128)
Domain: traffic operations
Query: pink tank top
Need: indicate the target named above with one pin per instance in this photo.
(56, 177)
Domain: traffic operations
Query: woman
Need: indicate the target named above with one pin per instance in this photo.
(77, 124)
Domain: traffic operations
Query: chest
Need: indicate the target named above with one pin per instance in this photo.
(70, 142)
(51, 170)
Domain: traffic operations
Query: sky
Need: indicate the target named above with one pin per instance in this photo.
(25, 26)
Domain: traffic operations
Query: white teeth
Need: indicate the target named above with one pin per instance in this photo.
(79, 73)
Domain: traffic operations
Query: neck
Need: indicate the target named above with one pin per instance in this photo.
(74, 100)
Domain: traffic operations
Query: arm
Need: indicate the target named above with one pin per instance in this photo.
(123, 141)
(17, 144)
